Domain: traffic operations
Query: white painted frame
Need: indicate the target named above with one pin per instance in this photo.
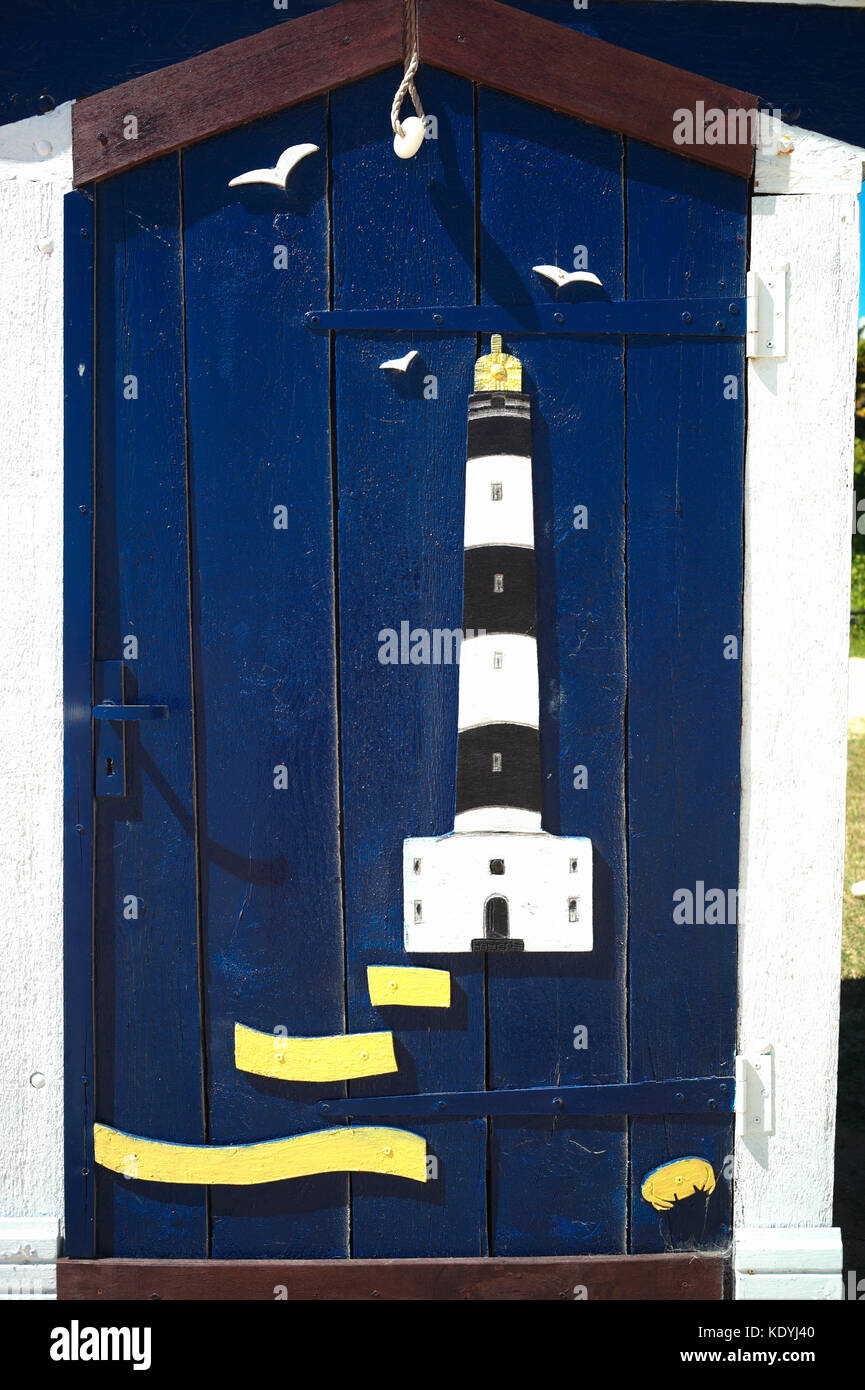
(798, 484)
(35, 174)
(798, 499)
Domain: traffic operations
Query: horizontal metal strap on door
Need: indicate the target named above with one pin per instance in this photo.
(716, 318)
(690, 1096)
(129, 713)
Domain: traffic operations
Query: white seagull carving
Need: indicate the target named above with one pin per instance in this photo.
(398, 364)
(565, 277)
(284, 165)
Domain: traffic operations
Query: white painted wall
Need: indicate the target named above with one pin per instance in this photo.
(35, 172)
(798, 483)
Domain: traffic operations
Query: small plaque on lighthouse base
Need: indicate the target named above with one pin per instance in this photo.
(498, 882)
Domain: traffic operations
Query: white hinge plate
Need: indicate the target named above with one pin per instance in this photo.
(755, 1092)
(766, 325)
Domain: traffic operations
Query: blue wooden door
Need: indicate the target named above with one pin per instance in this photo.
(266, 502)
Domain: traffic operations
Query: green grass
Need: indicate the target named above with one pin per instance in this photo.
(853, 950)
(851, 1079)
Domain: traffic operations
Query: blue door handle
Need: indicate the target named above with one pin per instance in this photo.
(128, 713)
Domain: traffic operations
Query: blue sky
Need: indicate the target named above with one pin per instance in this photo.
(862, 260)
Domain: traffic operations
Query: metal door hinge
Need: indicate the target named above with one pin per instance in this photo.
(766, 318)
(755, 1092)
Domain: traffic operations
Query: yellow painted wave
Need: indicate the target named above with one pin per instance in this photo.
(341, 1057)
(364, 1149)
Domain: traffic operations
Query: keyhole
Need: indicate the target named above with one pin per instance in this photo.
(109, 767)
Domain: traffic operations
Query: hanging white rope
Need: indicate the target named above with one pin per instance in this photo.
(408, 135)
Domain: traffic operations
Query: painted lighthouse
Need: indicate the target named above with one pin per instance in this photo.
(498, 881)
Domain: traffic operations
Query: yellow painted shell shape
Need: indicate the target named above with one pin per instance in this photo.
(675, 1181)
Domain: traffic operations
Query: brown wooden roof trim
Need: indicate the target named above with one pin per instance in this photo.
(608, 86)
(482, 40)
(234, 84)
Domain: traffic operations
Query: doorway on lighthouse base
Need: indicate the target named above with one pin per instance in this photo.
(496, 926)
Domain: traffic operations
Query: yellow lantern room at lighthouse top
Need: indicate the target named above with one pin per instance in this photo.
(498, 370)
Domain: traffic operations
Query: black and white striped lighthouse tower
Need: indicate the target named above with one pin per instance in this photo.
(498, 768)
(498, 882)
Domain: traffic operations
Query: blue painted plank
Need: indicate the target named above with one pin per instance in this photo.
(148, 1065)
(549, 184)
(264, 655)
(404, 235)
(686, 234)
(77, 732)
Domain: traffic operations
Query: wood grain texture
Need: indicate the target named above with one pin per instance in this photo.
(234, 84)
(687, 229)
(558, 1186)
(259, 423)
(264, 655)
(404, 235)
(543, 62)
(621, 1278)
(148, 1055)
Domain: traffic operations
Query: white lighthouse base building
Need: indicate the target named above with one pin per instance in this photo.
(498, 891)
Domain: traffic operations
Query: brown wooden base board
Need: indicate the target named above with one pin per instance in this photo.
(663, 1278)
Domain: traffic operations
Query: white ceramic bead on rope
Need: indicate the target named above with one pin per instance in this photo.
(408, 141)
